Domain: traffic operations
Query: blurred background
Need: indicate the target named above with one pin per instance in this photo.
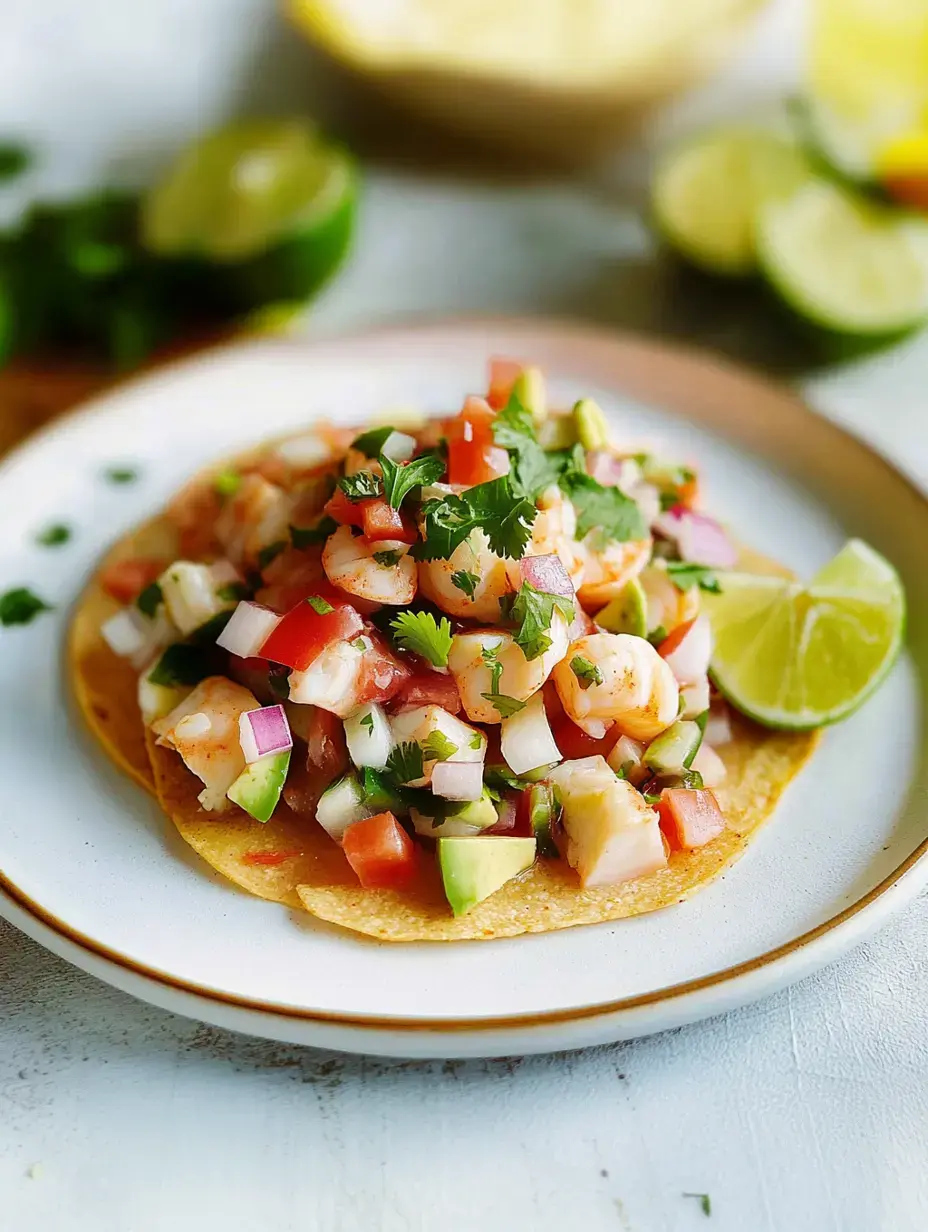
(749, 176)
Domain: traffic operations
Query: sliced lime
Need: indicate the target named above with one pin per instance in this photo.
(628, 613)
(268, 200)
(797, 657)
(706, 194)
(844, 263)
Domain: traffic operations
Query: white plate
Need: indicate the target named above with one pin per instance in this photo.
(90, 867)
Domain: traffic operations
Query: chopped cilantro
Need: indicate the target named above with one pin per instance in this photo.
(399, 478)
(368, 722)
(149, 598)
(270, 552)
(320, 606)
(121, 474)
(684, 575)
(691, 779)
(182, 663)
(233, 590)
(504, 516)
(371, 443)
(533, 611)
(14, 159)
(506, 706)
(668, 500)
(500, 778)
(422, 634)
(227, 483)
(533, 470)
(20, 606)
(388, 559)
(361, 486)
(404, 764)
(207, 633)
(490, 656)
(53, 536)
(465, 582)
(306, 536)
(279, 682)
(658, 635)
(587, 673)
(437, 747)
(705, 1202)
(476, 741)
(607, 511)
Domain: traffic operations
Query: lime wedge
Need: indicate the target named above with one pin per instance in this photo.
(628, 613)
(706, 194)
(268, 200)
(797, 657)
(844, 263)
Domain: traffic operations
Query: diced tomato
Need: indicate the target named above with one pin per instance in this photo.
(674, 639)
(292, 576)
(689, 492)
(380, 521)
(473, 455)
(575, 743)
(269, 859)
(380, 852)
(909, 189)
(429, 689)
(126, 579)
(690, 818)
(303, 632)
(503, 374)
(382, 674)
(339, 507)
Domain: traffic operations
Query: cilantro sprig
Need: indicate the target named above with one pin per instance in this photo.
(533, 470)
(503, 515)
(437, 747)
(465, 582)
(370, 443)
(405, 763)
(306, 536)
(587, 673)
(422, 634)
(532, 611)
(685, 575)
(399, 478)
(361, 486)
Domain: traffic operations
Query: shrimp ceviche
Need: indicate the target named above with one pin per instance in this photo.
(465, 658)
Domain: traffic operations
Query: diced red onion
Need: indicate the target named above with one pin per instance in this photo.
(248, 629)
(603, 466)
(547, 574)
(507, 813)
(700, 539)
(690, 661)
(263, 732)
(718, 727)
(458, 780)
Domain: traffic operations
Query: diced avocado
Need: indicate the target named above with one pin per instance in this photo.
(157, 700)
(627, 613)
(529, 388)
(257, 789)
(592, 429)
(559, 431)
(457, 820)
(543, 810)
(474, 868)
(673, 750)
(480, 812)
(340, 806)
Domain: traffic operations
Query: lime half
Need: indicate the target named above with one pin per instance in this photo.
(844, 263)
(706, 194)
(797, 657)
(269, 200)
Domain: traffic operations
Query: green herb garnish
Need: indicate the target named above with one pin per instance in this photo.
(685, 575)
(506, 706)
(14, 159)
(399, 478)
(658, 635)
(505, 518)
(465, 582)
(368, 722)
(705, 1202)
(361, 486)
(608, 511)
(149, 599)
(405, 762)
(371, 443)
(233, 590)
(533, 612)
(422, 634)
(20, 606)
(320, 606)
(270, 552)
(53, 536)
(388, 559)
(490, 656)
(227, 483)
(182, 664)
(437, 747)
(587, 673)
(306, 536)
(533, 470)
(476, 741)
(121, 474)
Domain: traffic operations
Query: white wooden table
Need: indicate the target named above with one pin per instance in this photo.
(806, 1113)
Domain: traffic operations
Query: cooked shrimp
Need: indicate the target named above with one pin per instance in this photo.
(334, 680)
(257, 515)
(350, 563)
(608, 572)
(637, 691)
(668, 606)
(495, 578)
(204, 731)
(554, 531)
(472, 660)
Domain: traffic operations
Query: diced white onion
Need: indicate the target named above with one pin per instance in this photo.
(690, 661)
(625, 759)
(190, 594)
(458, 780)
(368, 736)
(248, 629)
(708, 763)
(306, 451)
(127, 632)
(341, 806)
(398, 447)
(526, 741)
(718, 728)
(695, 698)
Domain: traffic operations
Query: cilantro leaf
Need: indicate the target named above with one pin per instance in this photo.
(388, 559)
(684, 575)
(149, 598)
(14, 159)
(499, 778)
(533, 470)
(437, 747)
(658, 635)
(405, 762)
(371, 443)
(320, 606)
(506, 706)
(490, 656)
(121, 474)
(705, 1202)
(465, 582)
(306, 536)
(234, 590)
(533, 611)
(504, 516)
(20, 606)
(368, 722)
(608, 511)
(399, 478)
(476, 741)
(270, 552)
(227, 483)
(587, 673)
(362, 485)
(183, 663)
(53, 536)
(422, 634)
